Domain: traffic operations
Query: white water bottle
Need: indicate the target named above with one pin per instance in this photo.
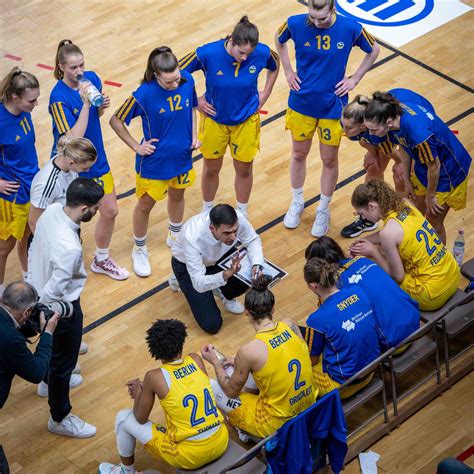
(458, 248)
(95, 97)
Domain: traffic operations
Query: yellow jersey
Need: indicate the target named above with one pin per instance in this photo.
(190, 406)
(285, 381)
(429, 266)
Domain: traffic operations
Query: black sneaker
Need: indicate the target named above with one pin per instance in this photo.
(357, 227)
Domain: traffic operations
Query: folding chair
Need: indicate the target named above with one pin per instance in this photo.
(375, 387)
(236, 458)
(452, 319)
(421, 347)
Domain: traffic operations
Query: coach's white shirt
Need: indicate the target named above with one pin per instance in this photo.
(49, 185)
(55, 265)
(198, 249)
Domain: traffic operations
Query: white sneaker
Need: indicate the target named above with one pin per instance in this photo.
(72, 426)
(293, 215)
(75, 381)
(77, 369)
(84, 348)
(173, 282)
(233, 306)
(321, 223)
(141, 264)
(171, 240)
(244, 437)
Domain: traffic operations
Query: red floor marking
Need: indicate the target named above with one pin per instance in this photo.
(466, 454)
(456, 132)
(263, 112)
(45, 66)
(111, 83)
(11, 56)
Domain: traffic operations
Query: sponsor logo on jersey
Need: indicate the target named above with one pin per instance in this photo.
(252, 69)
(307, 44)
(348, 325)
(219, 73)
(355, 278)
(162, 111)
(17, 138)
(340, 45)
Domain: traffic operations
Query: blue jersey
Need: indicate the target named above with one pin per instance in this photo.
(168, 116)
(397, 314)
(381, 143)
(231, 87)
(19, 161)
(344, 333)
(65, 105)
(425, 137)
(321, 60)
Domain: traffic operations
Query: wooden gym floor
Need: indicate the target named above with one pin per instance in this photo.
(116, 38)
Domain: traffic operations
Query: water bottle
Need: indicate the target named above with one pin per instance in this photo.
(458, 249)
(228, 369)
(95, 97)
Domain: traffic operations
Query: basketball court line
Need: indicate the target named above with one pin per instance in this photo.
(139, 299)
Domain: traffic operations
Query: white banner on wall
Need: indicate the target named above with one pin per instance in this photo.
(400, 21)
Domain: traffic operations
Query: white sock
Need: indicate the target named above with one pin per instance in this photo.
(140, 242)
(297, 194)
(324, 202)
(175, 228)
(207, 205)
(242, 207)
(101, 254)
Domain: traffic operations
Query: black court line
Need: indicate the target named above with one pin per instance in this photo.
(260, 230)
(416, 61)
(267, 121)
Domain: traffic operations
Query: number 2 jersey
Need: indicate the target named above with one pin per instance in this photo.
(19, 161)
(168, 116)
(285, 381)
(189, 406)
(321, 60)
(428, 264)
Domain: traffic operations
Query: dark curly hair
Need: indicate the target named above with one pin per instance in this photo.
(166, 338)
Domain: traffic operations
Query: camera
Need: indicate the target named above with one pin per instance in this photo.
(32, 325)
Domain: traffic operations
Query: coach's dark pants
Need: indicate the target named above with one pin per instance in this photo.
(67, 339)
(203, 305)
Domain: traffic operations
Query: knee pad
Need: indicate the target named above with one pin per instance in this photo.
(121, 417)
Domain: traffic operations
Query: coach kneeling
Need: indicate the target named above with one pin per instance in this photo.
(18, 301)
(202, 242)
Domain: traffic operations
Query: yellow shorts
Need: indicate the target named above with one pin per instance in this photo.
(158, 188)
(188, 454)
(325, 384)
(253, 418)
(430, 297)
(302, 128)
(456, 198)
(107, 182)
(243, 139)
(13, 219)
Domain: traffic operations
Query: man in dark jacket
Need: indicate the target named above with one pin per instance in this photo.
(16, 307)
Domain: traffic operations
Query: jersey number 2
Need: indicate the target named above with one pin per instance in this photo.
(209, 407)
(295, 364)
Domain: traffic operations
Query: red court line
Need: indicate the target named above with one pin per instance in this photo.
(263, 112)
(456, 132)
(111, 83)
(12, 56)
(466, 454)
(45, 66)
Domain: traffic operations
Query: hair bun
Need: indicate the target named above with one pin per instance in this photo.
(261, 282)
(244, 19)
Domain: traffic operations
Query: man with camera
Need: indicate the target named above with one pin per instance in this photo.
(56, 270)
(18, 303)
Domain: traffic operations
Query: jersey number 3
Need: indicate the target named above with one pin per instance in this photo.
(209, 407)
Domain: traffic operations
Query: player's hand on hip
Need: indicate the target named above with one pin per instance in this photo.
(432, 206)
(205, 107)
(344, 86)
(8, 187)
(196, 144)
(146, 147)
(293, 80)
